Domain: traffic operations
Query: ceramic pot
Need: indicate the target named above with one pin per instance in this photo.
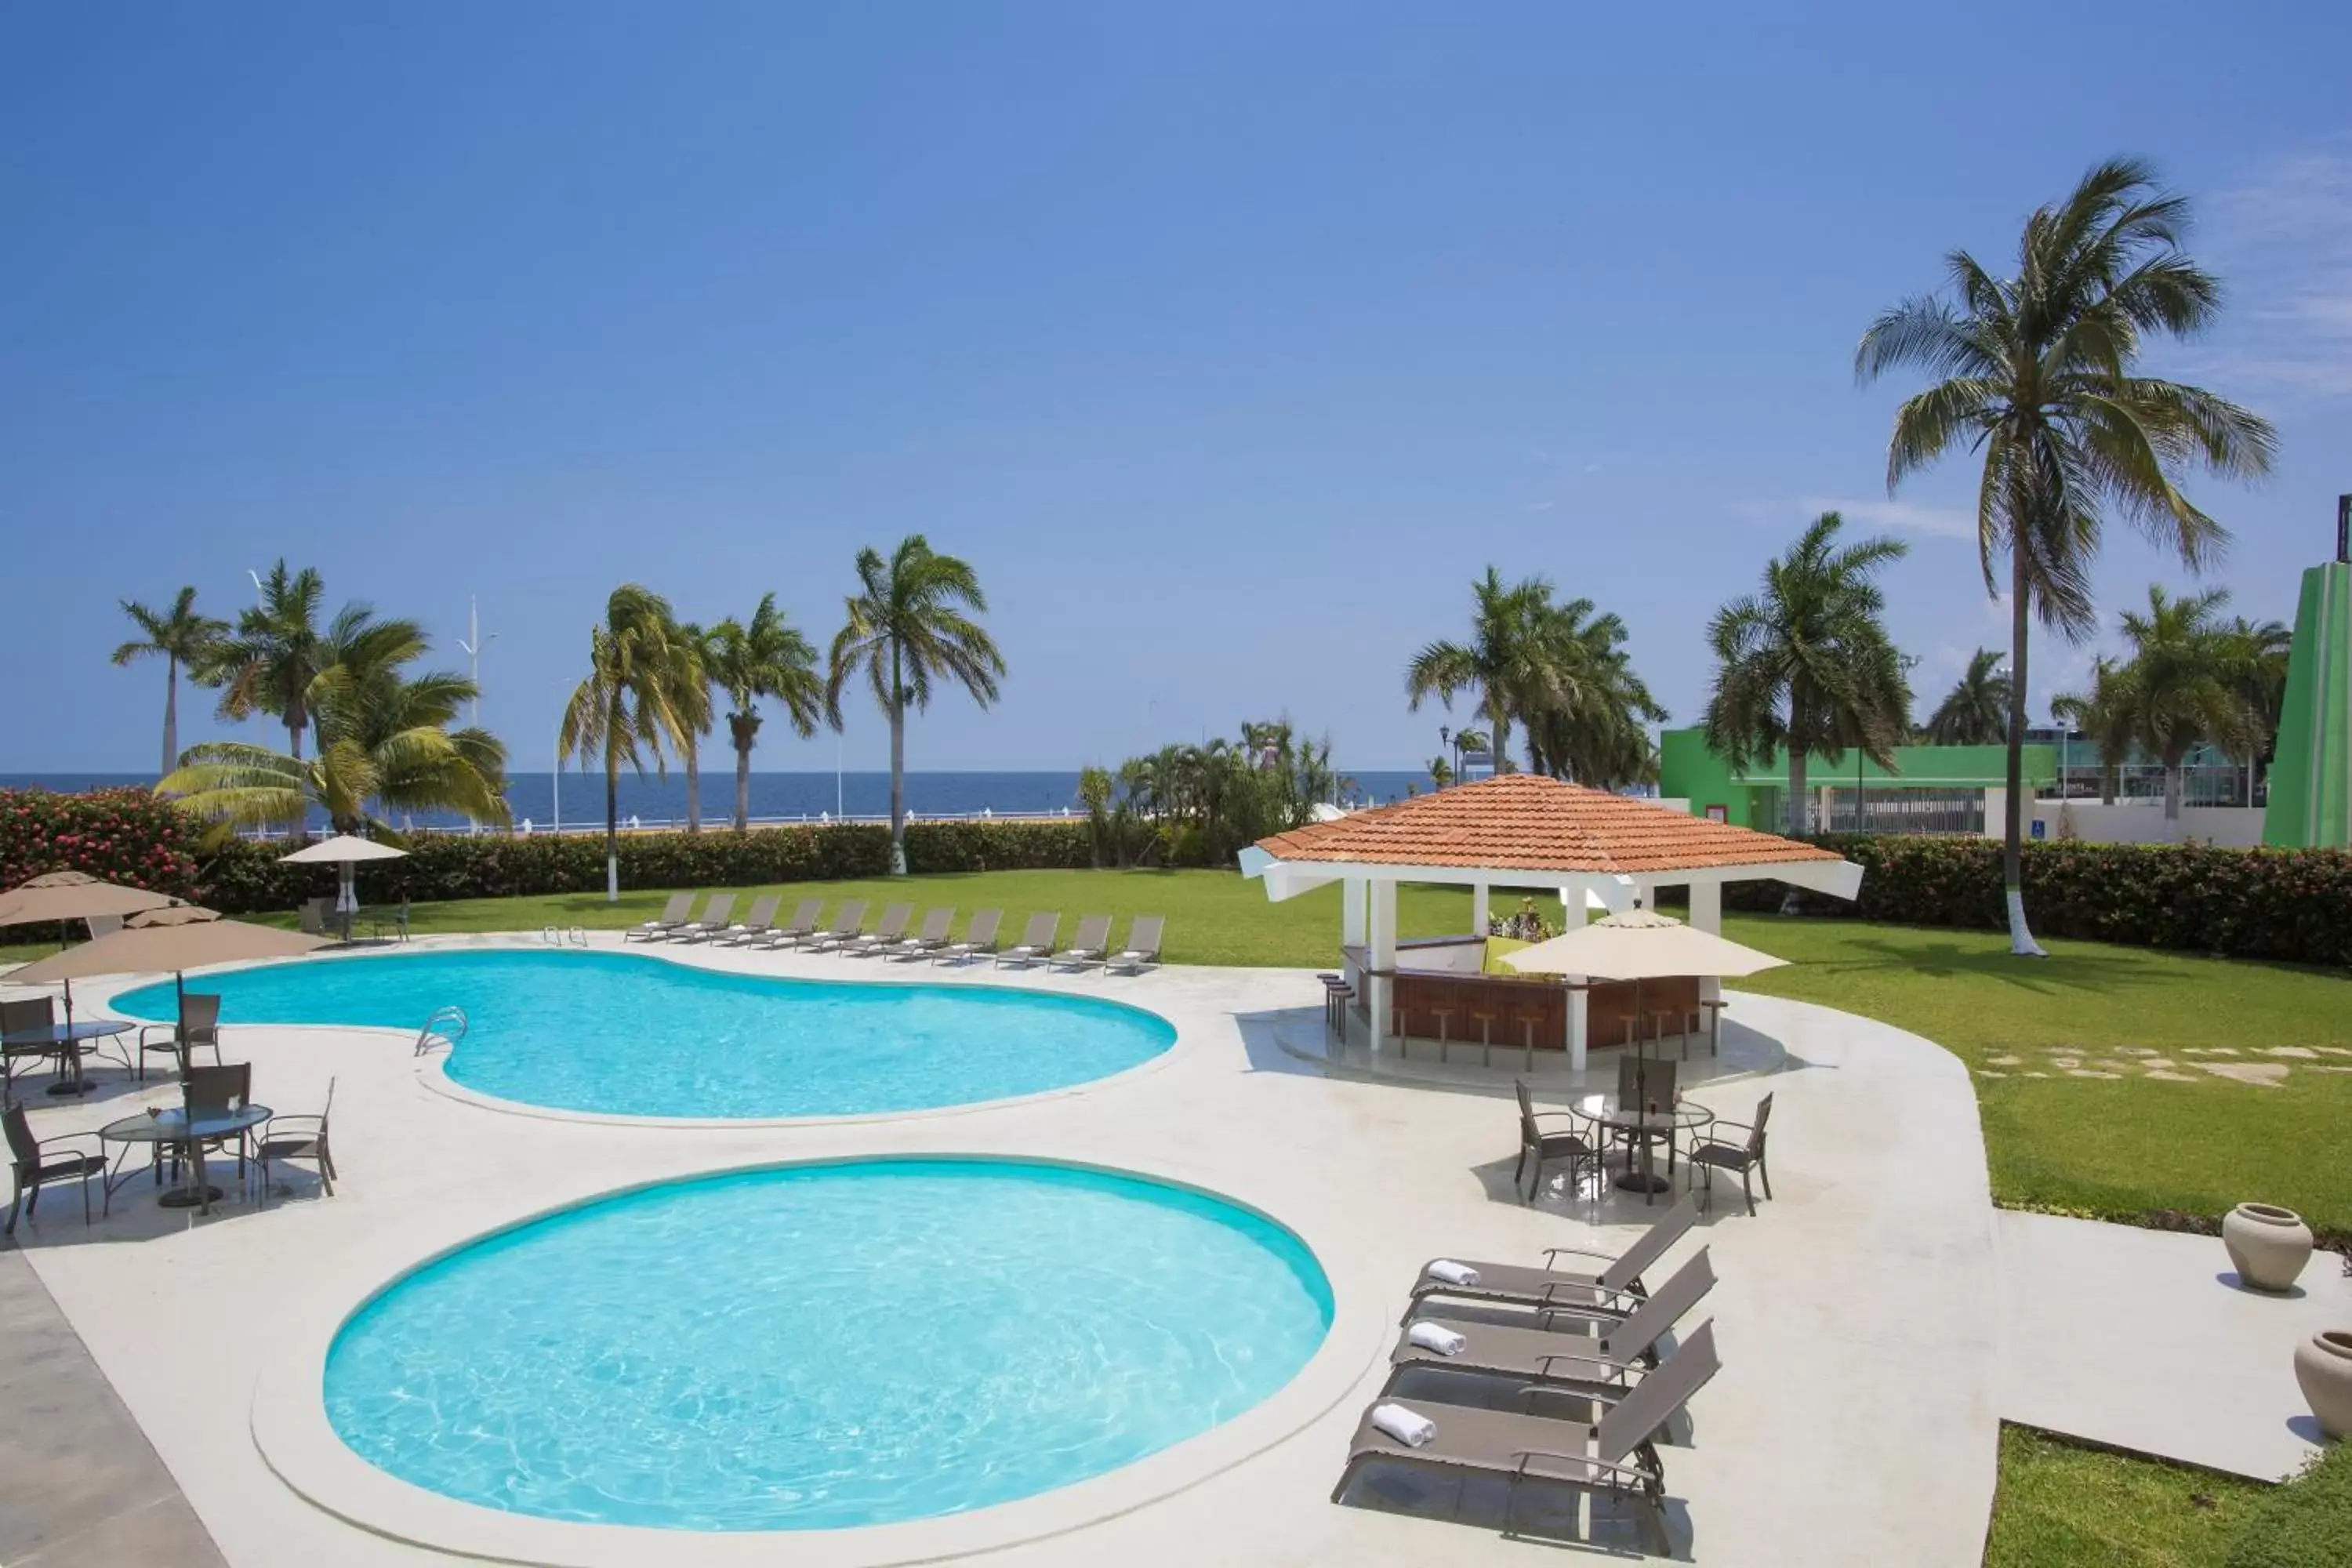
(2323, 1365)
(2268, 1246)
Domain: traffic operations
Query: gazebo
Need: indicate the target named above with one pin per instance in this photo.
(1517, 831)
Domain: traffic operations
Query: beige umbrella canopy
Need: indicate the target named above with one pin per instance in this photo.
(1640, 944)
(346, 851)
(183, 937)
(74, 895)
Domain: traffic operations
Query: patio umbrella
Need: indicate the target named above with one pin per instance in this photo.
(179, 938)
(1637, 945)
(61, 896)
(345, 851)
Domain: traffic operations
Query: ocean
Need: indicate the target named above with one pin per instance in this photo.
(655, 801)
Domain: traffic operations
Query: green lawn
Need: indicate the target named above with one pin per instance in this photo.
(2116, 1148)
(2061, 1506)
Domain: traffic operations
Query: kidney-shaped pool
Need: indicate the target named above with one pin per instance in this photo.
(826, 1346)
(617, 1034)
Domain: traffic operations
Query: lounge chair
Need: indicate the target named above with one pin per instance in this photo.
(1513, 1448)
(1615, 1287)
(798, 929)
(1609, 1357)
(715, 916)
(296, 1138)
(932, 937)
(1142, 949)
(1085, 949)
(886, 933)
(979, 938)
(844, 927)
(1036, 943)
(755, 925)
(673, 917)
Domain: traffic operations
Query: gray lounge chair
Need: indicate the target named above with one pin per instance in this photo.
(1142, 949)
(979, 938)
(888, 932)
(798, 929)
(1616, 1457)
(1609, 1357)
(1085, 949)
(928, 941)
(1036, 943)
(843, 928)
(673, 916)
(1615, 1287)
(755, 925)
(715, 916)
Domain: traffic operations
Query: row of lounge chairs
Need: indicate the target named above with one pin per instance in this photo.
(1587, 1337)
(933, 940)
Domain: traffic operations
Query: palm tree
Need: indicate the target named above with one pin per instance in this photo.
(2262, 653)
(1508, 656)
(906, 627)
(626, 703)
(186, 640)
(1975, 712)
(767, 657)
(266, 665)
(1806, 667)
(2106, 714)
(385, 740)
(1587, 717)
(2036, 371)
(1440, 771)
(689, 679)
(2188, 683)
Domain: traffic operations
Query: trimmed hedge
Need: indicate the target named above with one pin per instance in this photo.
(2291, 905)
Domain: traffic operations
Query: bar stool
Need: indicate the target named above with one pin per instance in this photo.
(1658, 1016)
(1396, 1027)
(1528, 1022)
(1333, 990)
(1714, 1010)
(1486, 1021)
(1443, 1016)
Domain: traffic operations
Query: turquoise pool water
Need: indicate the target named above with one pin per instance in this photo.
(826, 1346)
(631, 1035)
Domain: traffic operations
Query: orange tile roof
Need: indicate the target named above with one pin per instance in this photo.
(1525, 822)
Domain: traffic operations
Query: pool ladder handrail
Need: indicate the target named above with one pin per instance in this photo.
(438, 1031)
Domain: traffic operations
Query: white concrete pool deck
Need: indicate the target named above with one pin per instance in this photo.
(1857, 1316)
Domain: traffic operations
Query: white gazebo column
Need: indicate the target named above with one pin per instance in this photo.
(1352, 934)
(1381, 949)
(1572, 915)
(1707, 915)
(1482, 915)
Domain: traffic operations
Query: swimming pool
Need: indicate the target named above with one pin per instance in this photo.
(621, 1034)
(826, 1346)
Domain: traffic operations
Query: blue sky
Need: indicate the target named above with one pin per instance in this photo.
(1229, 342)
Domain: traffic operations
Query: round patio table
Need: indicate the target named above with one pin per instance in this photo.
(173, 1128)
(63, 1041)
(1644, 1126)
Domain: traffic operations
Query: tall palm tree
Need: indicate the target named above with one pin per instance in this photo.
(767, 657)
(689, 679)
(626, 704)
(384, 742)
(1975, 712)
(186, 640)
(2187, 681)
(1589, 714)
(2108, 715)
(2262, 653)
(266, 665)
(1806, 667)
(1509, 655)
(909, 625)
(2036, 371)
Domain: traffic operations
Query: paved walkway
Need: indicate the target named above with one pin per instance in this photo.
(2144, 1340)
(1853, 1423)
(80, 1486)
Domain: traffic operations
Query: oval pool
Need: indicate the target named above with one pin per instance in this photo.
(826, 1346)
(619, 1034)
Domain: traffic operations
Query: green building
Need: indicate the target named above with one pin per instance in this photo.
(2311, 773)
(1932, 789)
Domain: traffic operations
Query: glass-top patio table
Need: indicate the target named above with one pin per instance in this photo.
(63, 1041)
(173, 1128)
(1645, 1126)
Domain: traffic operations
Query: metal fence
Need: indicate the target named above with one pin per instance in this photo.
(1906, 811)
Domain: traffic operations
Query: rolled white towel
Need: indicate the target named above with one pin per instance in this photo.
(1407, 1426)
(1437, 1337)
(1447, 1271)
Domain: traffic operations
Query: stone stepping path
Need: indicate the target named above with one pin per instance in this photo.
(2211, 1064)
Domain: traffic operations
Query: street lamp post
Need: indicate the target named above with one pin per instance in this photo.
(472, 643)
